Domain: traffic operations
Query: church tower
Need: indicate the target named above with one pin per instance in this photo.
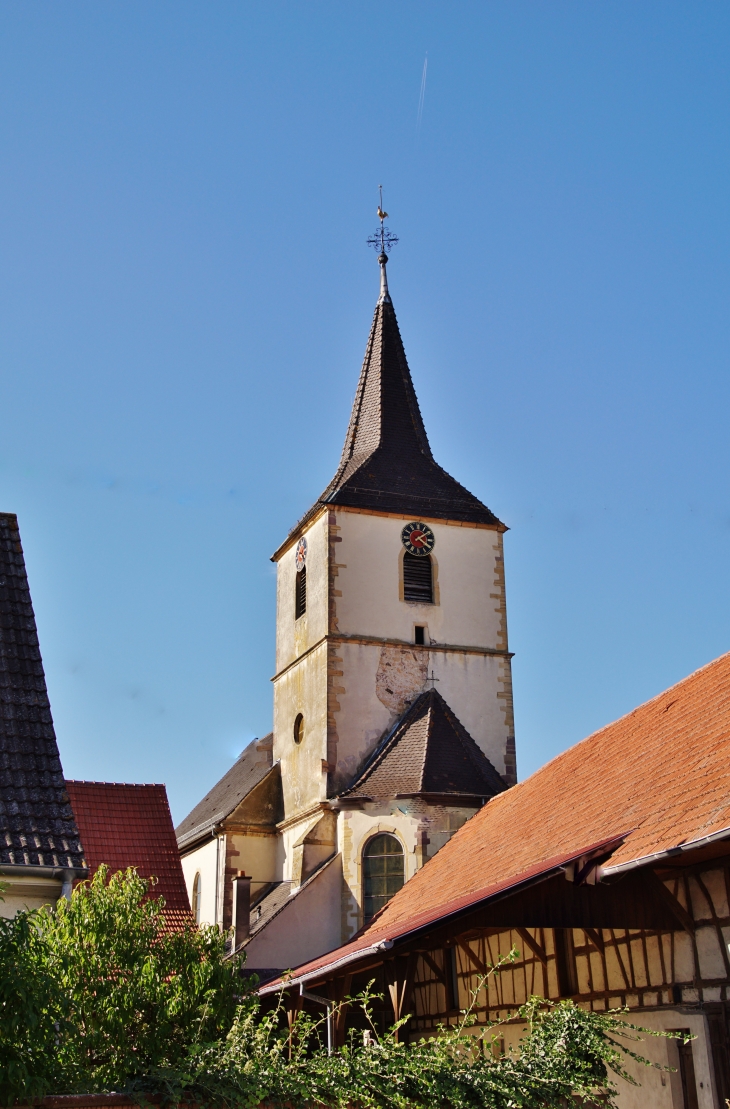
(390, 586)
(393, 715)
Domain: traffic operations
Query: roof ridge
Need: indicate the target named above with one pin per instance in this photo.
(466, 739)
(428, 695)
(126, 785)
(625, 716)
(385, 744)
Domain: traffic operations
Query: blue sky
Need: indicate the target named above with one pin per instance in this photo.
(185, 194)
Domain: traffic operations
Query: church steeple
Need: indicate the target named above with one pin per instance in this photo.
(386, 461)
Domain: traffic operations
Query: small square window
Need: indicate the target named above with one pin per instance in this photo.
(420, 635)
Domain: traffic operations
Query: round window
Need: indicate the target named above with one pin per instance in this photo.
(299, 728)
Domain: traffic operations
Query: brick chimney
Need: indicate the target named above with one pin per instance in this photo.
(241, 909)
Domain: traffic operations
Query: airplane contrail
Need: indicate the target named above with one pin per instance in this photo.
(422, 96)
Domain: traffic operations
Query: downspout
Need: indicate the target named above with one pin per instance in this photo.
(217, 876)
(328, 1005)
(68, 884)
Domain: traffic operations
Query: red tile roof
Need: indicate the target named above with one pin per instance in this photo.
(656, 779)
(130, 825)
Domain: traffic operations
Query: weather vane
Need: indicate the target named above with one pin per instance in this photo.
(382, 240)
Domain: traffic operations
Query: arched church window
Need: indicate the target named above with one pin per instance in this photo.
(300, 600)
(383, 866)
(196, 897)
(298, 728)
(417, 578)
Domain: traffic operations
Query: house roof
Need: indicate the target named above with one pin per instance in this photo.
(250, 768)
(386, 462)
(37, 826)
(130, 825)
(655, 781)
(428, 752)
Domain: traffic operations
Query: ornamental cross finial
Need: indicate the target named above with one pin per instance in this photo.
(382, 240)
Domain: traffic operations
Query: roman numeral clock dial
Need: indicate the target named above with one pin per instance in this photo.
(418, 539)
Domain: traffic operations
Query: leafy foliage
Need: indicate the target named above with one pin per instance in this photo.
(103, 991)
(28, 1010)
(98, 995)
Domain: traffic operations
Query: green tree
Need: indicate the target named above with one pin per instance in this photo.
(137, 993)
(100, 994)
(99, 990)
(30, 1011)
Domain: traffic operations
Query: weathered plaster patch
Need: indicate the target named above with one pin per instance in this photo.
(400, 677)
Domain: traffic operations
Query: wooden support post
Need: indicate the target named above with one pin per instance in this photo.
(293, 1006)
(482, 968)
(533, 945)
(596, 939)
(399, 974)
(438, 971)
(675, 907)
(338, 991)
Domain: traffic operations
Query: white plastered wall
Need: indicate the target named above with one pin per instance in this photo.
(27, 893)
(474, 685)
(303, 687)
(470, 613)
(256, 854)
(307, 926)
(293, 637)
(206, 861)
(422, 830)
(368, 578)
(659, 1088)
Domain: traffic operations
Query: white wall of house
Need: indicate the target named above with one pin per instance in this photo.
(205, 860)
(27, 892)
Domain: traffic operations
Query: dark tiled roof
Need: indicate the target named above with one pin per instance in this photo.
(267, 906)
(130, 825)
(387, 462)
(37, 826)
(250, 768)
(428, 752)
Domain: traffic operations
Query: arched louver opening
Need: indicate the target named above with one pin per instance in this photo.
(300, 600)
(417, 578)
(383, 868)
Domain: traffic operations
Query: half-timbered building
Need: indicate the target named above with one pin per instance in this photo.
(607, 871)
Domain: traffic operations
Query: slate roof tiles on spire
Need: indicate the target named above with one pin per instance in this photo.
(37, 825)
(386, 462)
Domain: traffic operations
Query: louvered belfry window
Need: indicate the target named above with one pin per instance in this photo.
(300, 599)
(417, 578)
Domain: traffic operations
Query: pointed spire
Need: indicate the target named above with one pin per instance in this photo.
(386, 462)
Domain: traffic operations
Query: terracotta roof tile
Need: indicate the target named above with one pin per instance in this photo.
(130, 825)
(657, 778)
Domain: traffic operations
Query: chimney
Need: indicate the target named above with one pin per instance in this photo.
(241, 909)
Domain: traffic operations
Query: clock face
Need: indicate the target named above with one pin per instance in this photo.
(418, 539)
(301, 553)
